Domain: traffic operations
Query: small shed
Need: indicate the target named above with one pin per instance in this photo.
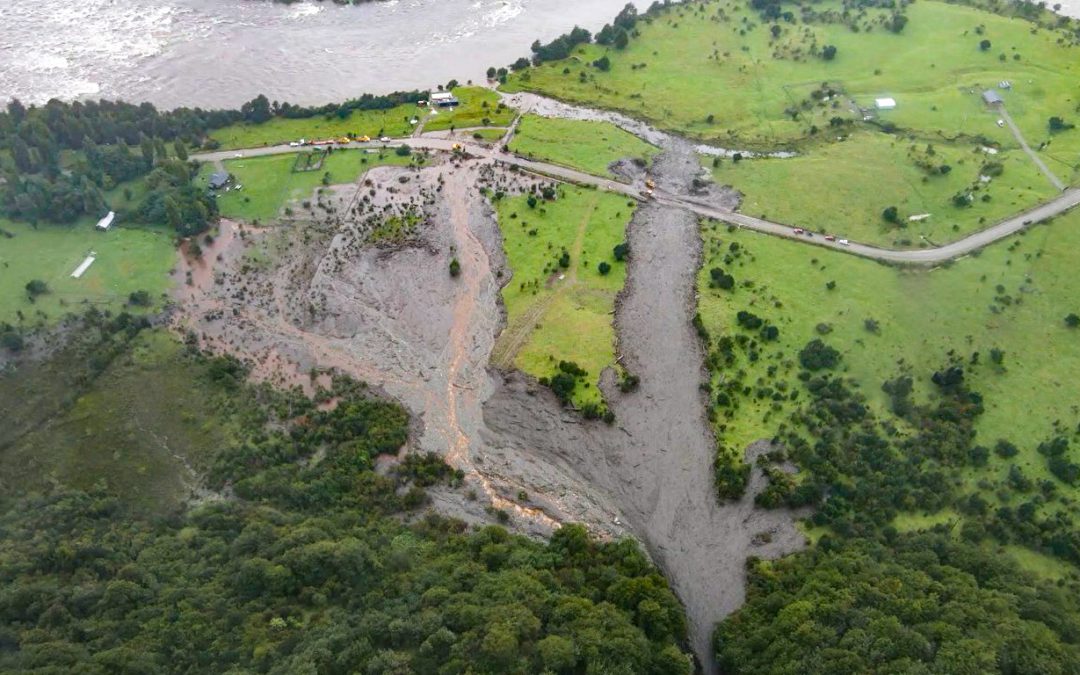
(885, 103)
(991, 97)
(218, 180)
(106, 222)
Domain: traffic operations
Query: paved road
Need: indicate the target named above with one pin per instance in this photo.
(1068, 199)
(1027, 148)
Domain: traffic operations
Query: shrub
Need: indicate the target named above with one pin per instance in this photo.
(817, 355)
(12, 341)
(621, 251)
(139, 299)
(720, 279)
(603, 268)
(455, 267)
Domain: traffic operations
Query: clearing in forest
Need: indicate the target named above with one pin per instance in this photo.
(127, 260)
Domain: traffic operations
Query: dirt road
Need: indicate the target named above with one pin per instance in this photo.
(1054, 180)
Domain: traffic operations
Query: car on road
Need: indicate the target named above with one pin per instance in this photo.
(830, 237)
(363, 139)
(238, 155)
(799, 230)
(844, 242)
(294, 144)
(384, 139)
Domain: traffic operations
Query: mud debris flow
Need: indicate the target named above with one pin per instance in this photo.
(321, 291)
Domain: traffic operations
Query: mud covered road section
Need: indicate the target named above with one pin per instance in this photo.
(655, 464)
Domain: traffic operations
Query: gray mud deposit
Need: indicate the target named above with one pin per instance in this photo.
(317, 292)
(656, 463)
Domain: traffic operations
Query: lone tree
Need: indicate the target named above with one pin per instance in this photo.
(1072, 320)
(984, 45)
(828, 52)
(604, 267)
(1058, 124)
(36, 287)
(890, 214)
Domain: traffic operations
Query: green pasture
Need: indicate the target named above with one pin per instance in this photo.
(587, 146)
(555, 313)
(127, 260)
(887, 321)
(269, 183)
(374, 123)
(479, 108)
(714, 71)
(844, 187)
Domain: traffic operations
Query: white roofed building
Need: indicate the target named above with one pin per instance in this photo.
(885, 103)
(106, 222)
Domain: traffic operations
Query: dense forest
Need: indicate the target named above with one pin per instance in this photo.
(305, 559)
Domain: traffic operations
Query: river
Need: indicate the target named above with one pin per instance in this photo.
(220, 53)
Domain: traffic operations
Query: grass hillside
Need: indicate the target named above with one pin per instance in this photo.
(716, 71)
(103, 426)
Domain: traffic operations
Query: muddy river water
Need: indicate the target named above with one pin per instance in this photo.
(220, 53)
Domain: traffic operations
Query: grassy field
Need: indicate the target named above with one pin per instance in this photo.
(479, 107)
(127, 260)
(374, 123)
(827, 188)
(111, 431)
(560, 313)
(713, 70)
(1013, 297)
(269, 183)
(588, 146)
